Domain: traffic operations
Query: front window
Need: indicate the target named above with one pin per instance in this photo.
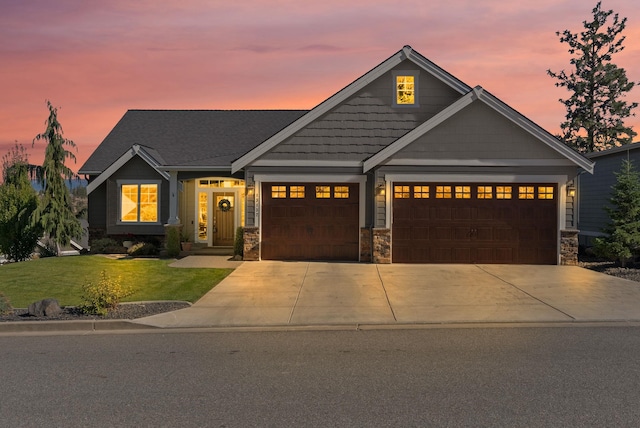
(139, 203)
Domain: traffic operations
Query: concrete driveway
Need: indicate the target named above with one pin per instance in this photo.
(271, 293)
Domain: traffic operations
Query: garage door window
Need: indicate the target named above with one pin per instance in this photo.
(526, 192)
(323, 192)
(401, 192)
(278, 192)
(296, 192)
(443, 192)
(463, 192)
(421, 192)
(341, 192)
(485, 192)
(545, 192)
(503, 192)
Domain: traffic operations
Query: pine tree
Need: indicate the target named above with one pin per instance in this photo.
(623, 232)
(55, 212)
(596, 109)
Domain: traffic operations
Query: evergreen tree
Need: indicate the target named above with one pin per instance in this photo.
(623, 232)
(18, 200)
(55, 212)
(596, 109)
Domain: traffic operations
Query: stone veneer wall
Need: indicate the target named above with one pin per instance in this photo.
(251, 244)
(569, 247)
(365, 245)
(382, 246)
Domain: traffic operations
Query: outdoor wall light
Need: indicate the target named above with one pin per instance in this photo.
(380, 189)
(571, 191)
(251, 190)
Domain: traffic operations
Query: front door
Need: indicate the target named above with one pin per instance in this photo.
(223, 219)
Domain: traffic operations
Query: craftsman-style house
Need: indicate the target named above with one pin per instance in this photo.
(406, 164)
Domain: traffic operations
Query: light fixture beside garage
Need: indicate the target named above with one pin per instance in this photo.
(571, 191)
(380, 189)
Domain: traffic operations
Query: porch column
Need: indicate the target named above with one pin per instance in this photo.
(173, 198)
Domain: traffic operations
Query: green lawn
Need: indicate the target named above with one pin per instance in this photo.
(61, 278)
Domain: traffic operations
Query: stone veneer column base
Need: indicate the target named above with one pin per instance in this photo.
(251, 244)
(365, 245)
(381, 246)
(569, 247)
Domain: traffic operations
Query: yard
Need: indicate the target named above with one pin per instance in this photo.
(62, 278)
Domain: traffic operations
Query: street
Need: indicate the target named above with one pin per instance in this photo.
(511, 376)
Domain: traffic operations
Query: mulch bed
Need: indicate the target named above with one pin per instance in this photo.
(125, 311)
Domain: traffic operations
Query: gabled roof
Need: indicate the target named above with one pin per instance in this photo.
(614, 150)
(406, 53)
(478, 94)
(145, 154)
(189, 138)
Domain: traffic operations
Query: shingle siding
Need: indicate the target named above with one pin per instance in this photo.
(366, 123)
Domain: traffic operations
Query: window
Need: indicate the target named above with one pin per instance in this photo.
(485, 192)
(545, 192)
(139, 202)
(405, 88)
(341, 192)
(503, 192)
(463, 192)
(296, 192)
(323, 192)
(443, 192)
(401, 192)
(526, 192)
(278, 192)
(421, 192)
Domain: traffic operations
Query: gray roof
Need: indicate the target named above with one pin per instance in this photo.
(190, 138)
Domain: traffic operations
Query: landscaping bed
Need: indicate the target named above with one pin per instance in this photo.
(124, 311)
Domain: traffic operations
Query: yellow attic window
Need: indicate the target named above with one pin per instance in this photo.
(405, 90)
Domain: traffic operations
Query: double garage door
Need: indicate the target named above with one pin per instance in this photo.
(310, 221)
(475, 223)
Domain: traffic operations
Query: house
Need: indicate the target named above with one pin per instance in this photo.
(595, 189)
(407, 164)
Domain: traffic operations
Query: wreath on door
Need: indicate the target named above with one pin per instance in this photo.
(224, 205)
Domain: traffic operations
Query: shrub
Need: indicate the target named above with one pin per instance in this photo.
(100, 297)
(173, 241)
(18, 237)
(238, 243)
(105, 246)
(5, 305)
(143, 249)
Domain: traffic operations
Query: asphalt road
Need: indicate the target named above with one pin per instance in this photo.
(516, 377)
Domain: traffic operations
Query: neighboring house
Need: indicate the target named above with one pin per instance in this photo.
(405, 164)
(595, 190)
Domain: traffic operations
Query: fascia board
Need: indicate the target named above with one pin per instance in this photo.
(537, 132)
(437, 72)
(412, 135)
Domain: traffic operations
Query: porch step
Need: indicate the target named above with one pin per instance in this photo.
(211, 251)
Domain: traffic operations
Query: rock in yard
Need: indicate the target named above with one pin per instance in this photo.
(45, 308)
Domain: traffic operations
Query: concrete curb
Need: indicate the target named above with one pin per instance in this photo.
(72, 325)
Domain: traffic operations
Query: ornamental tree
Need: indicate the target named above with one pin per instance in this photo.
(623, 232)
(596, 108)
(55, 212)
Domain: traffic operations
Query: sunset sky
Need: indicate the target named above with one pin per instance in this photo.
(97, 59)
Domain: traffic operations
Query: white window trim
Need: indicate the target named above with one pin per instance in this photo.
(416, 88)
(120, 183)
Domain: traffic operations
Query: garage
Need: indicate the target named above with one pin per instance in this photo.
(475, 223)
(310, 221)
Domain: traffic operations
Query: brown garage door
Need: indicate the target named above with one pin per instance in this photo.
(310, 221)
(475, 223)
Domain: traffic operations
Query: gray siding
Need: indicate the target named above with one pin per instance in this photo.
(135, 169)
(478, 132)
(367, 122)
(595, 190)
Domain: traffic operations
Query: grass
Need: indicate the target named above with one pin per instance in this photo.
(62, 278)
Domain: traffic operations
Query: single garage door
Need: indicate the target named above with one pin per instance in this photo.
(310, 221)
(475, 223)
